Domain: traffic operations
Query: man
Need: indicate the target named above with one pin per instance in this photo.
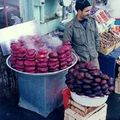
(83, 34)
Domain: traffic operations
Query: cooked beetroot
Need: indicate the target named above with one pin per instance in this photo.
(43, 52)
(95, 85)
(69, 63)
(53, 59)
(15, 46)
(29, 68)
(75, 73)
(41, 56)
(53, 63)
(32, 57)
(53, 67)
(31, 52)
(43, 60)
(15, 52)
(20, 62)
(87, 81)
(70, 60)
(62, 56)
(111, 89)
(63, 67)
(29, 63)
(45, 69)
(19, 67)
(103, 82)
(63, 64)
(88, 76)
(53, 70)
(42, 65)
(96, 89)
(53, 55)
(67, 48)
(104, 76)
(30, 71)
(68, 53)
(23, 50)
(61, 51)
(63, 59)
(86, 87)
(98, 80)
(19, 55)
(13, 58)
(67, 43)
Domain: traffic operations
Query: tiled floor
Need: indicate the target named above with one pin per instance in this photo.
(10, 112)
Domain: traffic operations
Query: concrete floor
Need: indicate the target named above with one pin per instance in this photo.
(13, 112)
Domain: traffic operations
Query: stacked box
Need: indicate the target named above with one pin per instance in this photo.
(117, 81)
(79, 112)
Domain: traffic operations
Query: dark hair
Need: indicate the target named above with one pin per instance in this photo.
(81, 4)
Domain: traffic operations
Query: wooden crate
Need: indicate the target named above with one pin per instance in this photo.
(117, 85)
(98, 114)
(106, 51)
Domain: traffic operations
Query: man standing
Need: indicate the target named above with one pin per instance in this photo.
(83, 34)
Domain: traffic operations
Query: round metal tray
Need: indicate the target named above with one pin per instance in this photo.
(41, 74)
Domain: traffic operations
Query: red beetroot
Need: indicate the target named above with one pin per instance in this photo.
(62, 56)
(53, 55)
(41, 56)
(32, 57)
(29, 68)
(63, 64)
(42, 70)
(53, 59)
(29, 63)
(70, 60)
(67, 48)
(42, 65)
(20, 62)
(43, 51)
(53, 67)
(63, 60)
(61, 50)
(53, 63)
(68, 53)
(63, 67)
(15, 46)
(19, 67)
(31, 52)
(42, 60)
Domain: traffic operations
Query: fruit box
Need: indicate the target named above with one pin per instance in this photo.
(117, 86)
(97, 114)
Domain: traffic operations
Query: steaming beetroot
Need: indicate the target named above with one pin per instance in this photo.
(86, 79)
(36, 55)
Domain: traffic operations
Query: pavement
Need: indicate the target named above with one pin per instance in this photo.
(13, 112)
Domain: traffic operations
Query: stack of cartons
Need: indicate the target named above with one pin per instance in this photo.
(117, 81)
(76, 111)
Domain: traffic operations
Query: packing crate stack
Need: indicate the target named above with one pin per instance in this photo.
(117, 81)
(76, 111)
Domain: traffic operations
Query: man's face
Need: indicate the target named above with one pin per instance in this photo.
(85, 12)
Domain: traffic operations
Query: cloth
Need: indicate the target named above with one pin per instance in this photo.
(95, 62)
(85, 42)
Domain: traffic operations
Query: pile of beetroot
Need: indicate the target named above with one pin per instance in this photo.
(37, 57)
(85, 79)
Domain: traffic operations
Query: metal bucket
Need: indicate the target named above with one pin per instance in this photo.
(41, 92)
